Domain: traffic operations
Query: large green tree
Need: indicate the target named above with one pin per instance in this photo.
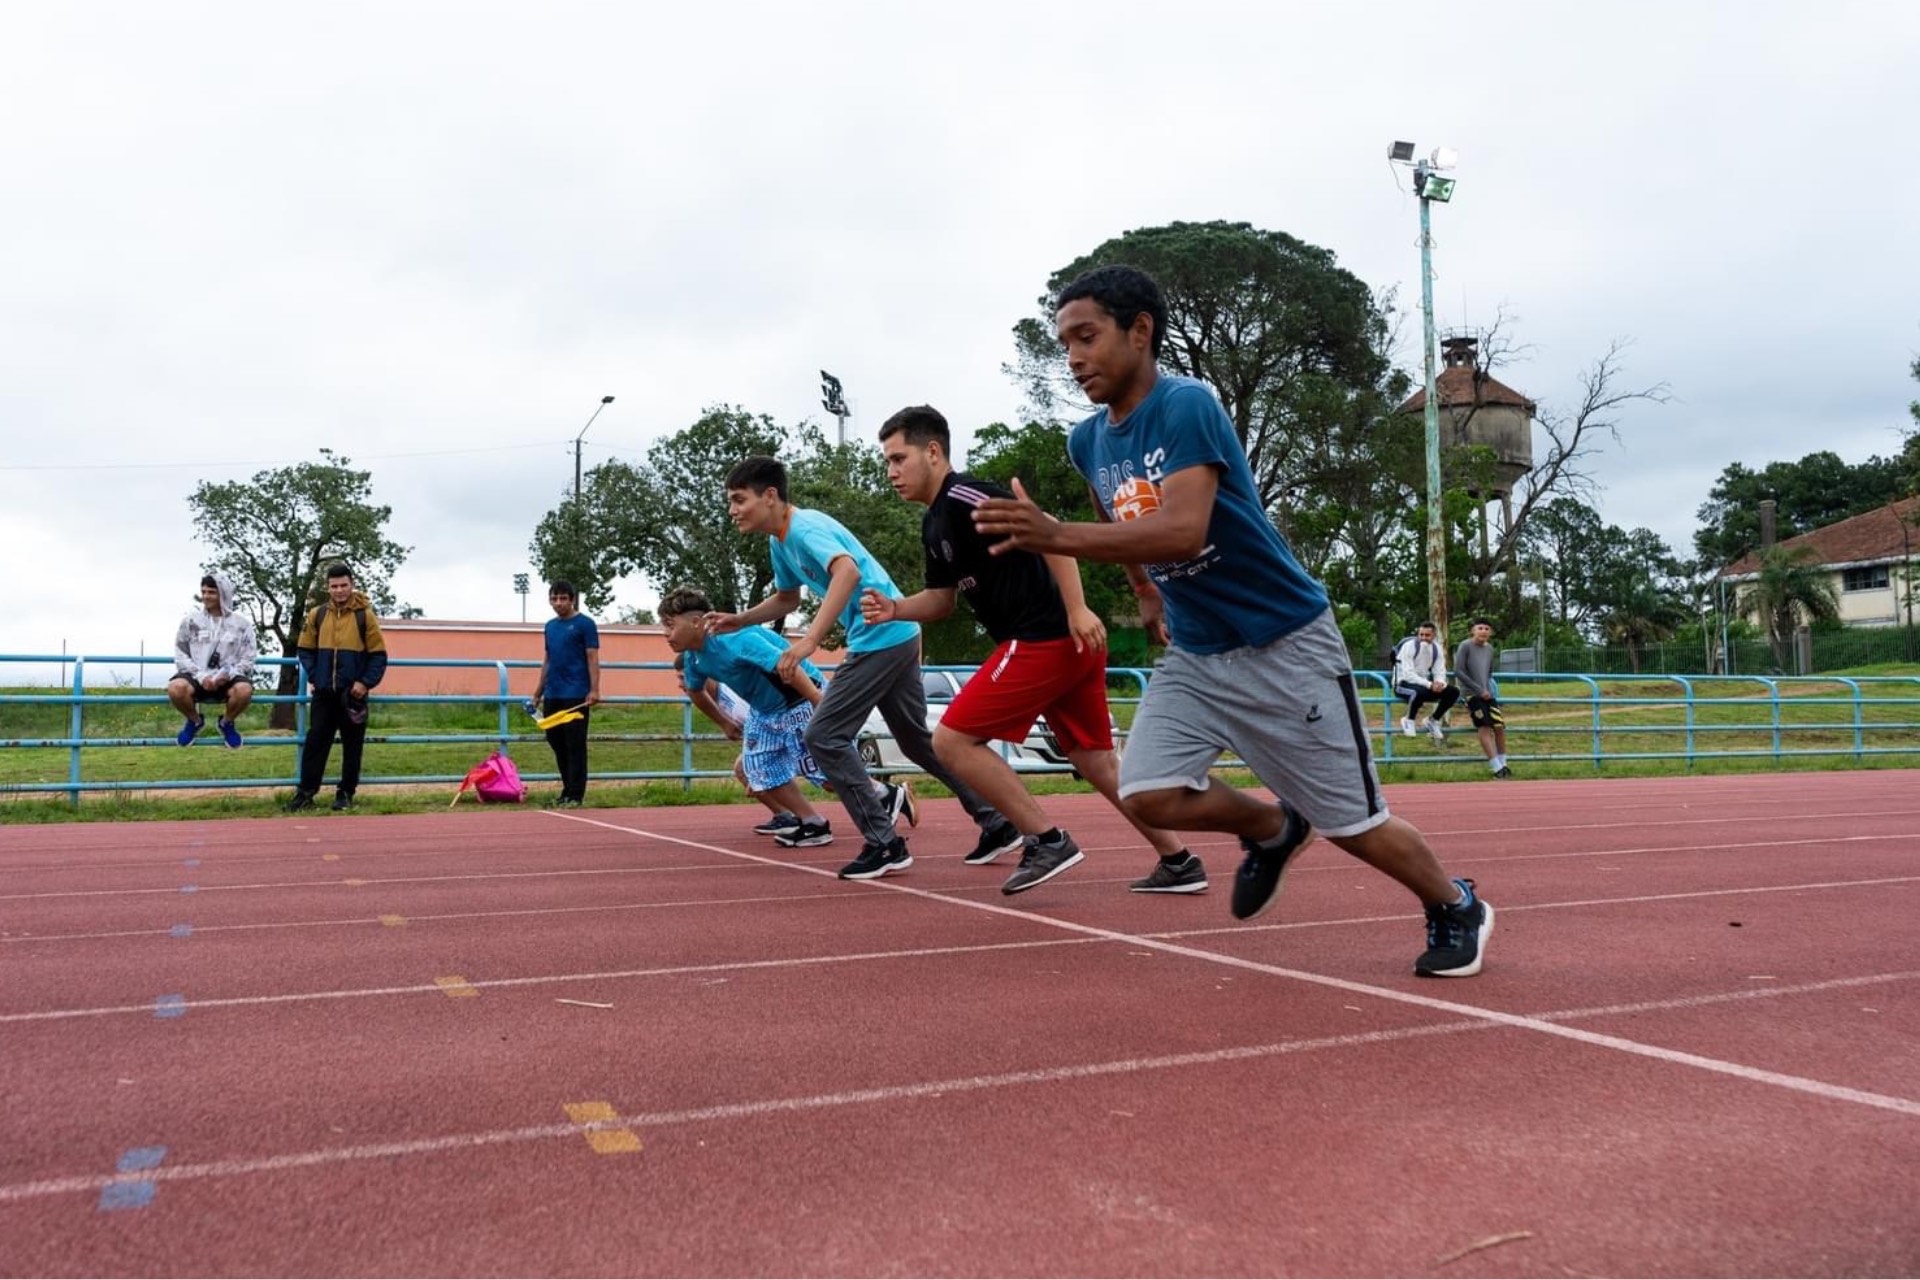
(665, 519)
(276, 533)
(1817, 490)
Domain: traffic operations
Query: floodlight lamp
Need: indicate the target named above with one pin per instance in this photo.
(1437, 189)
(1445, 157)
(1401, 152)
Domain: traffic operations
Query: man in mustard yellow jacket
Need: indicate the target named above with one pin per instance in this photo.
(344, 655)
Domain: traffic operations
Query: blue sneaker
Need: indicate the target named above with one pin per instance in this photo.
(778, 823)
(1456, 937)
(229, 734)
(189, 731)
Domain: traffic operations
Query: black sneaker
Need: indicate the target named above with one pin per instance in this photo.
(805, 835)
(342, 801)
(1040, 863)
(878, 860)
(777, 824)
(301, 800)
(901, 804)
(1004, 838)
(1257, 883)
(1188, 876)
(1456, 937)
(1503, 772)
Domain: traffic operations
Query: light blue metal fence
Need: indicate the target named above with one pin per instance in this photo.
(1551, 717)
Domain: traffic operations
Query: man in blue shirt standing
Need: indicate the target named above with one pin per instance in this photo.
(1255, 664)
(881, 667)
(569, 678)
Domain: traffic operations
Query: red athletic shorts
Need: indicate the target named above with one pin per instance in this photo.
(1027, 678)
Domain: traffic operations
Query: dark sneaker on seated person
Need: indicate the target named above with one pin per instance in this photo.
(189, 731)
(1257, 883)
(229, 734)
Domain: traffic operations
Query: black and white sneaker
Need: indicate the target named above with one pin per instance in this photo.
(342, 801)
(806, 834)
(301, 800)
(1004, 838)
(1456, 937)
(1503, 772)
(878, 860)
(1186, 876)
(777, 824)
(901, 804)
(1257, 883)
(1040, 863)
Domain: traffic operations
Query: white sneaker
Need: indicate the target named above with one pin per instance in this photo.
(1406, 725)
(1434, 731)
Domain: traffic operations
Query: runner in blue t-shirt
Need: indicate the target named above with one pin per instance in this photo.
(778, 708)
(569, 681)
(881, 667)
(1255, 664)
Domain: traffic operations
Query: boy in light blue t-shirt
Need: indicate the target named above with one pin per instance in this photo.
(881, 667)
(1255, 662)
(778, 708)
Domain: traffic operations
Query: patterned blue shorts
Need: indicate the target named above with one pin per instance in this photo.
(776, 748)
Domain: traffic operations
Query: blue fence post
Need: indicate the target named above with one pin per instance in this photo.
(74, 727)
(686, 747)
(1687, 685)
(1774, 687)
(1859, 737)
(506, 697)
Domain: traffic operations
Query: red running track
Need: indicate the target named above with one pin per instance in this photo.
(647, 1042)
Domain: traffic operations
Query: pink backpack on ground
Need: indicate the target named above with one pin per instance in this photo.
(495, 780)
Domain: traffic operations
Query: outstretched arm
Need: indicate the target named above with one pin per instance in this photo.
(1177, 530)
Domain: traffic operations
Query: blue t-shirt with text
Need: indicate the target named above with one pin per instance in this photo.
(814, 541)
(568, 640)
(744, 661)
(1245, 588)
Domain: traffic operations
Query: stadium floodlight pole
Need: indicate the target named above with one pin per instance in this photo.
(834, 400)
(1430, 186)
(521, 586)
(604, 402)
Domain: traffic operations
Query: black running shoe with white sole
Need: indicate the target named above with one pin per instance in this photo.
(1257, 883)
(1003, 838)
(901, 804)
(1187, 876)
(806, 835)
(878, 860)
(1456, 937)
(1040, 863)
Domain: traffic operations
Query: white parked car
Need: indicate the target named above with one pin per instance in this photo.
(1040, 753)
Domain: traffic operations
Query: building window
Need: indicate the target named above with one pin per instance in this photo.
(1874, 579)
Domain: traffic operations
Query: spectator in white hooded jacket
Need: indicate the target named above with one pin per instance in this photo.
(213, 656)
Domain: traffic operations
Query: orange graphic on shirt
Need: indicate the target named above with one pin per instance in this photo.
(1135, 498)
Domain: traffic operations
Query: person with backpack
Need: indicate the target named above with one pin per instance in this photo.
(1420, 676)
(344, 656)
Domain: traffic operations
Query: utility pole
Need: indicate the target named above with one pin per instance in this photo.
(604, 402)
(1430, 186)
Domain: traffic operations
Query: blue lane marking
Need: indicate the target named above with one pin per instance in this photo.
(189, 888)
(191, 862)
(135, 1193)
(182, 931)
(170, 1006)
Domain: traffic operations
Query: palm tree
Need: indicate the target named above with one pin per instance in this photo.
(1648, 612)
(1788, 589)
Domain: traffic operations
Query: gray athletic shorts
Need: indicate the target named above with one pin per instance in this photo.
(1288, 709)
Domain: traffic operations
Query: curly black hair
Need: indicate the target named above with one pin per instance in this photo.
(1123, 292)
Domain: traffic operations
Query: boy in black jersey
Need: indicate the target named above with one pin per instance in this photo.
(1050, 659)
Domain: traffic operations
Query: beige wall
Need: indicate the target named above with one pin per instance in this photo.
(515, 641)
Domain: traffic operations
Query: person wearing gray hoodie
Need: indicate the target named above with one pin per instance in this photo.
(213, 656)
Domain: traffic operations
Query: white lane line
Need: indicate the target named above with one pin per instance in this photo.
(359, 882)
(859, 1097)
(1619, 1044)
(52, 1015)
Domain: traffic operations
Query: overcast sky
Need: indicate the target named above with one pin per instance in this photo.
(432, 236)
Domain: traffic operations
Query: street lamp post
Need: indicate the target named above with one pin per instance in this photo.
(1429, 186)
(604, 402)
